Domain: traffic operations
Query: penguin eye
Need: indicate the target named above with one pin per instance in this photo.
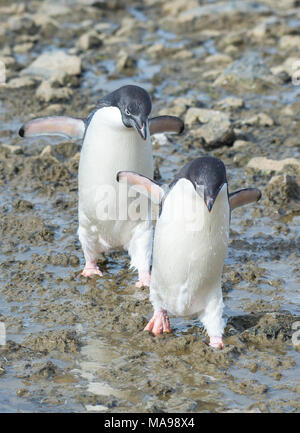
(127, 112)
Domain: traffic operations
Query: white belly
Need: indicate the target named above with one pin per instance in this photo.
(188, 255)
(103, 203)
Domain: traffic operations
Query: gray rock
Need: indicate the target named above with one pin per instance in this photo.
(21, 82)
(231, 102)
(54, 65)
(269, 165)
(89, 40)
(46, 93)
(126, 64)
(215, 130)
(247, 73)
(260, 119)
(289, 42)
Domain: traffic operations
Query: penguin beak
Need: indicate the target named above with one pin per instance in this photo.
(209, 201)
(140, 125)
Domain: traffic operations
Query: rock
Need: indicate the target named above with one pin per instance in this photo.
(218, 58)
(89, 40)
(289, 66)
(52, 8)
(260, 119)
(54, 65)
(12, 148)
(21, 82)
(46, 93)
(265, 28)
(22, 24)
(289, 42)
(292, 109)
(216, 129)
(174, 7)
(292, 142)
(126, 64)
(241, 143)
(8, 61)
(23, 48)
(15, 8)
(281, 189)
(231, 102)
(247, 74)
(270, 165)
(48, 26)
(183, 55)
(156, 51)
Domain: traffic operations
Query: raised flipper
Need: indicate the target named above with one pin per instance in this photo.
(142, 184)
(166, 124)
(64, 126)
(243, 196)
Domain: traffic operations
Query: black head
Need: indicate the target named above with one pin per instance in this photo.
(207, 174)
(134, 104)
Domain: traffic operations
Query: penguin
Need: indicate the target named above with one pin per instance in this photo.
(190, 243)
(116, 136)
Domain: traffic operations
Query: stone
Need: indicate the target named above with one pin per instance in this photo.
(218, 58)
(260, 119)
(54, 65)
(46, 93)
(23, 48)
(271, 165)
(289, 42)
(215, 130)
(88, 41)
(290, 66)
(231, 102)
(126, 64)
(48, 26)
(22, 82)
(247, 73)
(292, 142)
(22, 24)
(282, 189)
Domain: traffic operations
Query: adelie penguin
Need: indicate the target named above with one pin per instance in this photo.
(190, 243)
(116, 136)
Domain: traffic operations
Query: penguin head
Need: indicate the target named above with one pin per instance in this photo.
(135, 106)
(208, 176)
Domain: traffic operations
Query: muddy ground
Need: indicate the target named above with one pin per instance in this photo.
(74, 344)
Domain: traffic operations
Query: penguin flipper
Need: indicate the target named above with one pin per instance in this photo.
(166, 124)
(142, 184)
(64, 126)
(243, 196)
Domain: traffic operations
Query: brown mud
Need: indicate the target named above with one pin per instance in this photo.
(74, 344)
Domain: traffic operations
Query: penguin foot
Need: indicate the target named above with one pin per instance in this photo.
(91, 269)
(216, 342)
(144, 279)
(159, 324)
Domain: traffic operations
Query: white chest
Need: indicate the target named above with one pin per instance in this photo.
(190, 246)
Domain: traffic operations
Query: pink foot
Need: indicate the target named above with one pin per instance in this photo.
(159, 323)
(144, 279)
(216, 342)
(90, 269)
